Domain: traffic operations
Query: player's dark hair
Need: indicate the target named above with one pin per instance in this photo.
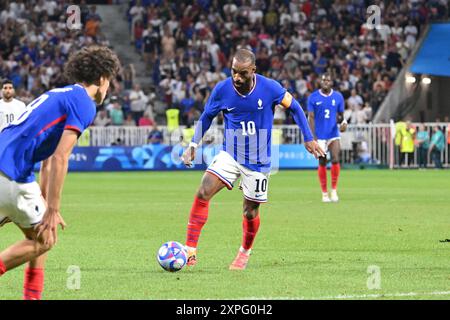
(7, 81)
(244, 55)
(326, 75)
(89, 64)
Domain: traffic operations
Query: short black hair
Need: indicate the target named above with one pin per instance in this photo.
(244, 55)
(91, 63)
(7, 81)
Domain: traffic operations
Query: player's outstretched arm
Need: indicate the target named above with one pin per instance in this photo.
(59, 162)
(299, 116)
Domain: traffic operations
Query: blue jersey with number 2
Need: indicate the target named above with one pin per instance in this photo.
(34, 136)
(326, 108)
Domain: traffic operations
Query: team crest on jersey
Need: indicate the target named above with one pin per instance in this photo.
(260, 106)
(333, 102)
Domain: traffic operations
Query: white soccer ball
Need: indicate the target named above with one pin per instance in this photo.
(172, 256)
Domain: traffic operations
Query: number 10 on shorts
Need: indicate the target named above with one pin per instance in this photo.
(261, 184)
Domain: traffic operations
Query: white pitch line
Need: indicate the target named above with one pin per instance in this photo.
(356, 296)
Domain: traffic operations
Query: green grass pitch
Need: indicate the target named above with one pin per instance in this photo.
(305, 249)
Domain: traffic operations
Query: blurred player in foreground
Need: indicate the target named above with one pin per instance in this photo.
(47, 131)
(246, 100)
(325, 111)
(10, 108)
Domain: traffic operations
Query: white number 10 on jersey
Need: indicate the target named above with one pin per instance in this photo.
(249, 129)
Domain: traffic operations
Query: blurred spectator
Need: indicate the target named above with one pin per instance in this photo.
(355, 100)
(129, 121)
(138, 102)
(363, 152)
(116, 113)
(92, 25)
(146, 121)
(129, 74)
(437, 145)
(407, 133)
(102, 119)
(155, 136)
(367, 112)
(172, 119)
(422, 143)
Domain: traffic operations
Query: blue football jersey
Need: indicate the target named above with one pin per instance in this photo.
(34, 136)
(248, 120)
(326, 108)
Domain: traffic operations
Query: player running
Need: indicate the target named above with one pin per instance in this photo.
(325, 111)
(47, 131)
(246, 100)
(10, 108)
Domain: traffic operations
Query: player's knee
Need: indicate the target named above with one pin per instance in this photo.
(204, 194)
(251, 210)
(42, 248)
(322, 161)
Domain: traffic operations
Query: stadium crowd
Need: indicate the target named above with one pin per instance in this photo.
(187, 46)
(35, 42)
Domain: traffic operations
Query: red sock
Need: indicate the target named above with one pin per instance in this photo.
(197, 219)
(2, 268)
(250, 229)
(335, 169)
(322, 171)
(33, 284)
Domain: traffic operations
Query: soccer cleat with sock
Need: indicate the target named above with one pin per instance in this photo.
(325, 197)
(191, 256)
(240, 262)
(334, 196)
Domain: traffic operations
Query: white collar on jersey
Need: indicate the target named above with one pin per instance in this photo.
(254, 86)
(326, 95)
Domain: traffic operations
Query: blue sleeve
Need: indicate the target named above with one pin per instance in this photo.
(300, 119)
(278, 90)
(80, 113)
(212, 108)
(310, 104)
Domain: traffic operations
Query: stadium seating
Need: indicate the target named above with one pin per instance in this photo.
(187, 45)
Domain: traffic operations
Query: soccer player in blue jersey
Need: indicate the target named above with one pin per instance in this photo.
(47, 131)
(246, 100)
(325, 112)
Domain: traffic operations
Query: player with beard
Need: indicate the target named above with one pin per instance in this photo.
(246, 100)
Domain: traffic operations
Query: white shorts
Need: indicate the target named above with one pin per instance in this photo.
(22, 203)
(325, 143)
(253, 183)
